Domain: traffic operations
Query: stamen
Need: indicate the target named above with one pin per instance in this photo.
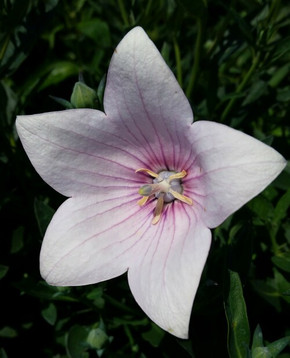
(181, 197)
(177, 176)
(148, 171)
(158, 209)
(143, 200)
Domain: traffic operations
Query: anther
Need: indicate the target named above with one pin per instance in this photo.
(148, 171)
(181, 197)
(177, 176)
(158, 209)
(143, 200)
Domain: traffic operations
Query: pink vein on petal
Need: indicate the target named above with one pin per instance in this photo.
(80, 152)
(146, 220)
(172, 144)
(150, 160)
(102, 187)
(98, 234)
(171, 208)
(151, 152)
(101, 143)
(96, 174)
(147, 114)
(80, 209)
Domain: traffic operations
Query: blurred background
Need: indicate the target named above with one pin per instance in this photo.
(232, 60)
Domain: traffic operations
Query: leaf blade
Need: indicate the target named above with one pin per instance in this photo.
(236, 313)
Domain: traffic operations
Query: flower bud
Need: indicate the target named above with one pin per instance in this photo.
(83, 96)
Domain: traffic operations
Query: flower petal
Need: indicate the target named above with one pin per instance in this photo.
(143, 96)
(91, 240)
(228, 169)
(80, 151)
(166, 275)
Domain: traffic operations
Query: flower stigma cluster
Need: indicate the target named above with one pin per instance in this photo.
(166, 187)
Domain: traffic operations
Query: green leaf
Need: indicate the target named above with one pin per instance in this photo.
(271, 350)
(240, 247)
(17, 240)
(261, 352)
(8, 101)
(244, 26)
(76, 342)
(154, 336)
(8, 332)
(97, 30)
(268, 290)
(273, 289)
(281, 209)
(13, 51)
(257, 338)
(58, 72)
(282, 260)
(258, 89)
(280, 212)
(279, 75)
(50, 314)
(187, 346)
(97, 338)
(262, 207)
(44, 214)
(97, 296)
(44, 291)
(63, 102)
(50, 4)
(282, 285)
(196, 8)
(3, 353)
(287, 292)
(3, 271)
(283, 94)
(45, 75)
(21, 26)
(283, 180)
(101, 89)
(281, 49)
(276, 347)
(236, 313)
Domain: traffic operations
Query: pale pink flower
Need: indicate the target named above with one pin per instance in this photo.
(195, 176)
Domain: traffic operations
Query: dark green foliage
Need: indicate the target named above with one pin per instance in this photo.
(233, 61)
(236, 312)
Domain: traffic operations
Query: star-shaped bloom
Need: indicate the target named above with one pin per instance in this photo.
(145, 185)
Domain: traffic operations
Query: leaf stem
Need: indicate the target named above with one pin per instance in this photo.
(148, 7)
(130, 337)
(178, 61)
(123, 13)
(4, 47)
(275, 246)
(241, 86)
(197, 51)
(220, 32)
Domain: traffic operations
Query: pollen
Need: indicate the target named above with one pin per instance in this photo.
(166, 187)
